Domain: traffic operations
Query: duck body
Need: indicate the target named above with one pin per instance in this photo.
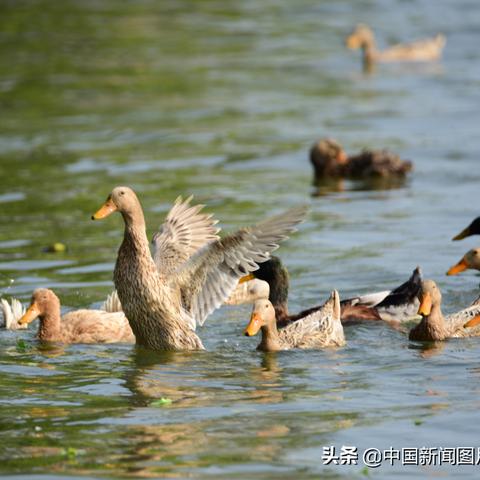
(193, 273)
(151, 305)
(425, 50)
(318, 329)
(79, 326)
(271, 281)
(329, 161)
(434, 326)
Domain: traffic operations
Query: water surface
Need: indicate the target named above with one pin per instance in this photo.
(222, 100)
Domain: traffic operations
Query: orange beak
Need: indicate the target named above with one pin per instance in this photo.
(425, 304)
(352, 42)
(30, 315)
(246, 278)
(459, 267)
(254, 326)
(105, 210)
(342, 158)
(463, 234)
(473, 322)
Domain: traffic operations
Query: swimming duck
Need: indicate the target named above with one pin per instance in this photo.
(165, 299)
(434, 326)
(472, 229)
(79, 326)
(471, 260)
(329, 160)
(320, 328)
(271, 281)
(420, 51)
(12, 312)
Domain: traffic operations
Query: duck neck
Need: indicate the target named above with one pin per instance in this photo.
(279, 285)
(135, 234)
(270, 339)
(369, 54)
(50, 325)
(434, 326)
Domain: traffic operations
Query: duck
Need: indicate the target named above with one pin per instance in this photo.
(425, 50)
(165, 298)
(320, 328)
(79, 326)
(271, 281)
(434, 326)
(330, 161)
(472, 229)
(11, 313)
(471, 260)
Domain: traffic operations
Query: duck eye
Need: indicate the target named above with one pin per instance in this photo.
(122, 193)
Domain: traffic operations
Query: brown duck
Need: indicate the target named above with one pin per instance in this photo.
(321, 328)
(330, 161)
(426, 50)
(434, 326)
(271, 281)
(164, 300)
(79, 326)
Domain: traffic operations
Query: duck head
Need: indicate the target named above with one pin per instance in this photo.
(472, 229)
(470, 260)
(43, 302)
(361, 37)
(263, 315)
(429, 297)
(121, 199)
(327, 157)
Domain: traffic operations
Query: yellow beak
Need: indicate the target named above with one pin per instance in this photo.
(30, 315)
(464, 233)
(254, 325)
(425, 305)
(246, 278)
(459, 267)
(473, 322)
(105, 210)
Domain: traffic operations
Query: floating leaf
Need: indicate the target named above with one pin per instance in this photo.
(161, 402)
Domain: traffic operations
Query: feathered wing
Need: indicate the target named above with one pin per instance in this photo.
(210, 276)
(322, 327)
(248, 292)
(112, 303)
(185, 231)
(456, 321)
(12, 313)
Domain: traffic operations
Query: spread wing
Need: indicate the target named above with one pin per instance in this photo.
(185, 231)
(210, 276)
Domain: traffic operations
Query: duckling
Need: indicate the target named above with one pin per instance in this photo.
(471, 260)
(320, 328)
(420, 51)
(434, 326)
(399, 304)
(329, 160)
(79, 326)
(472, 229)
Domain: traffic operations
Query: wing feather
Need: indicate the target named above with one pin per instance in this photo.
(184, 231)
(209, 277)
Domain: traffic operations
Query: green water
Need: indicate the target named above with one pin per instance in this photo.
(222, 100)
